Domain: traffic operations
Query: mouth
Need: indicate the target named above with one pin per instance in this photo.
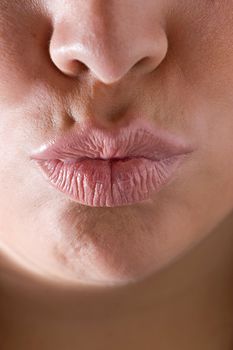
(107, 169)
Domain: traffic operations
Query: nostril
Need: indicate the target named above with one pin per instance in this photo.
(141, 61)
(73, 68)
(79, 65)
(146, 64)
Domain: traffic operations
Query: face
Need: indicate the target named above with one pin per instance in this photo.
(66, 63)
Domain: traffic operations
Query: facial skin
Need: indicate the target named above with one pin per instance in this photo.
(66, 62)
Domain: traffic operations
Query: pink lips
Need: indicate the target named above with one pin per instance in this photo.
(111, 168)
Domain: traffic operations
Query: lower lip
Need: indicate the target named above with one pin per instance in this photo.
(110, 183)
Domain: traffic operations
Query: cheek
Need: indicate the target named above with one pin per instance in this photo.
(202, 47)
(24, 37)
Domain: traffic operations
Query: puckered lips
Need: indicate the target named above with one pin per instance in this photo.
(102, 168)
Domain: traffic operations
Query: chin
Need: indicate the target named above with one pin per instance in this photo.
(103, 263)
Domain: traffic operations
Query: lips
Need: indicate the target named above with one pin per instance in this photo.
(102, 168)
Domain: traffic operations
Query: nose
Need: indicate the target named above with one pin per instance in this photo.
(107, 38)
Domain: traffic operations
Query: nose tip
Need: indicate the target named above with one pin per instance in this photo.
(109, 55)
(75, 58)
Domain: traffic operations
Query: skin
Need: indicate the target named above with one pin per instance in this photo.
(67, 62)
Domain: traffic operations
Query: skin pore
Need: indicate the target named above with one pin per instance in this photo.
(68, 62)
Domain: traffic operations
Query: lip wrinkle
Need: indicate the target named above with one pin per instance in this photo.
(101, 168)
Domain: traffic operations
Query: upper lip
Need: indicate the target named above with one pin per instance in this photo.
(129, 142)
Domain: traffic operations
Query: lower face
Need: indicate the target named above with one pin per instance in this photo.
(50, 234)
